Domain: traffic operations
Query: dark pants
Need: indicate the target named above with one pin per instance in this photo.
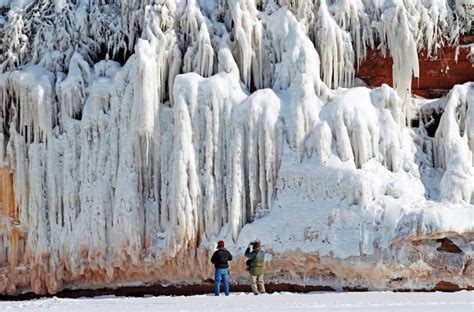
(224, 275)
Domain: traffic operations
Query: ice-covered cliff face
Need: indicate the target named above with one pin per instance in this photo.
(139, 132)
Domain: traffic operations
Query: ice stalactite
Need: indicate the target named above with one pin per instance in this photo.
(18, 160)
(358, 137)
(38, 239)
(351, 17)
(435, 20)
(205, 108)
(34, 115)
(453, 147)
(389, 112)
(205, 53)
(252, 158)
(33, 90)
(395, 30)
(184, 195)
(160, 53)
(289, 42)
(71, 90)
(196, 40)
(302, 115)
(330, 26)
(335, 49)
(147, 87)
(256, 157)
(247, 33)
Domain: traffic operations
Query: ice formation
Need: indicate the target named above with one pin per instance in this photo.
(454, 143)
(137, 132)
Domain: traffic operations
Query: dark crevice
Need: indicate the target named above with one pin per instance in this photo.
(433, 124)
(104, 53)
(122, 56)
(436, 93)
(447, 245)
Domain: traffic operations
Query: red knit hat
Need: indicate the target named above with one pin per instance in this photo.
(220, 244)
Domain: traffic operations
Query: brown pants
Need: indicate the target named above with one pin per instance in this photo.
(257, 280)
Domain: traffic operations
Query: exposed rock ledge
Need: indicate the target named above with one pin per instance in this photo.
(433, 263)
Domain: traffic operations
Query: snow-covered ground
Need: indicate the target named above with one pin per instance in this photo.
(344, 301)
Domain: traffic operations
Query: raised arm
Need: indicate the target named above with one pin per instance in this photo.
(249, 254)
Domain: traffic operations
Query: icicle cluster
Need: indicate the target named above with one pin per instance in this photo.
(342, 31)
(366, 127)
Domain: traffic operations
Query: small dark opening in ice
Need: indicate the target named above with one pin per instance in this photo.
(432, 126)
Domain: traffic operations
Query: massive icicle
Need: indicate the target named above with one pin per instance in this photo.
(453, 145)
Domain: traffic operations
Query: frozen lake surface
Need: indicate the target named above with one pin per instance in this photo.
(324, 301)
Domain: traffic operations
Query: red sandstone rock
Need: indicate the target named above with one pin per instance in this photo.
(437, 73)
